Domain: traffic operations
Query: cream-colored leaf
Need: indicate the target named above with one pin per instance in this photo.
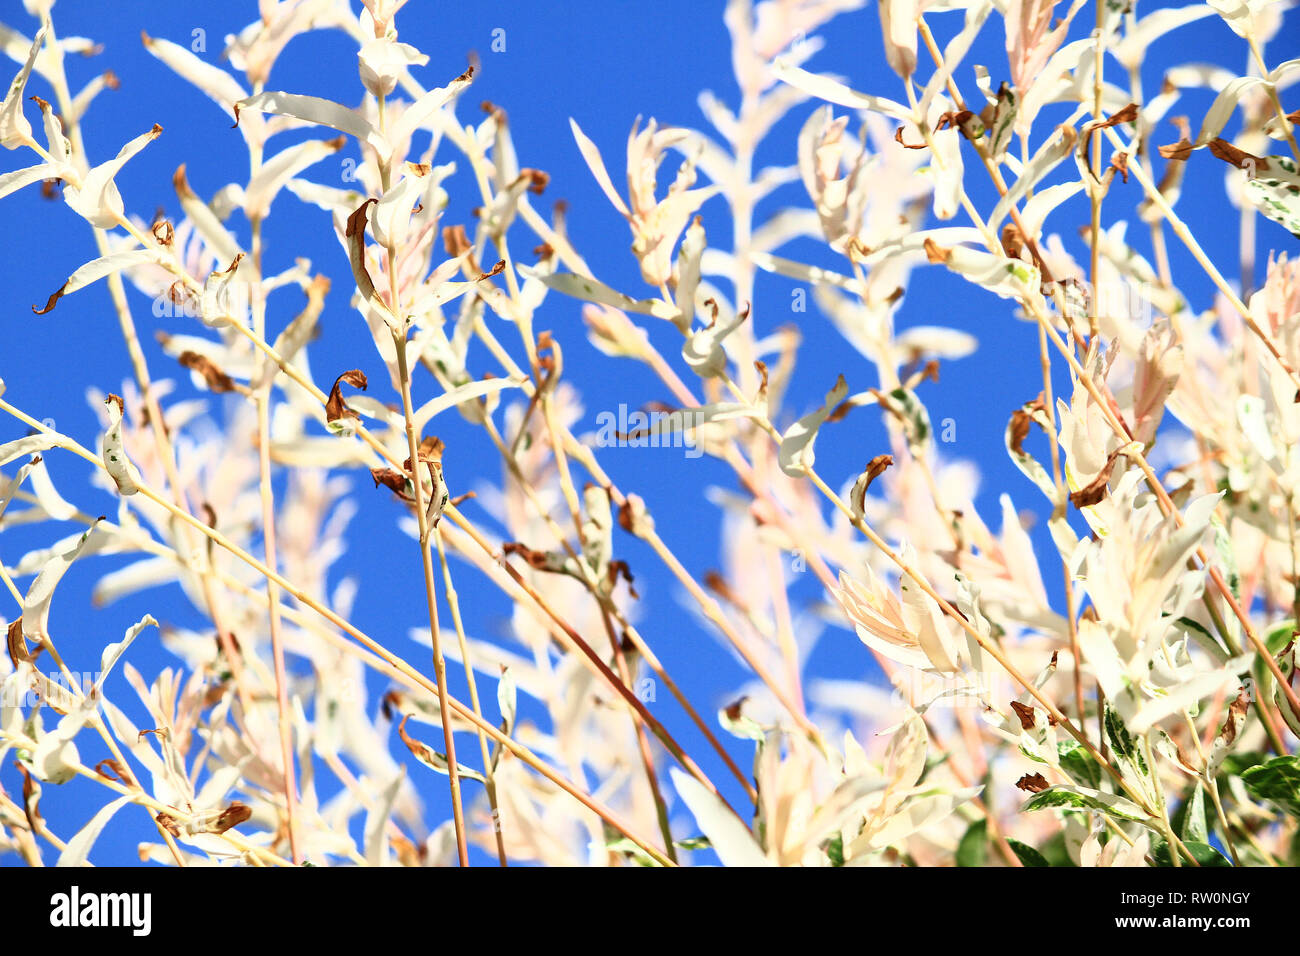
(78, 848)
(796, 452)
(597, 166)
(730, 838)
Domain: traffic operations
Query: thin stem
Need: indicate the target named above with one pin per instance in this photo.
(489, 770)
(418, 467)
(393, 660)
(262, 401)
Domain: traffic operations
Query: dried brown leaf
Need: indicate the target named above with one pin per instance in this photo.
(1237, 157)
(1025, 713)
(335, 407)
(898, 138)
(1119, 163)
(1032, 783)
(1097, 489)
(217, 380)
(232, 816)
(19, 652)
(935, 252)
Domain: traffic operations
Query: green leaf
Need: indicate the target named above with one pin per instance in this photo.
(1079, 764)
(1207, 641)
(916, 420)
(1194, 828)
(1276, 639)
(1203, 853)
(1027, 854)
(835, 850)
(631, 850)
(1223, 547)
(1123, 744)
(1279, 635)
(1276, 193)
(1236, 764)
(973, 848)
(1128, 754)
(1055, 851)
(1082, 799)
(1278, 781)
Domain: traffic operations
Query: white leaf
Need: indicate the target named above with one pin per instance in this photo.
(1048, 157)
(224, 301)
(36, 605)
(507, 699)
(462, 393)
(1004, 277)
(313, 109)
(684, 419)
(927, 621)
(14, 128)
(1224, 105)
(56, 759)
(57, 144)
(218, 785)
(13, 181)
(833, 91)
(96, 199)
(1276, 193)
(597, 166)
(119, 467)
(1131, 50)
(1238, 14)
(392, 216)
(281, 168)
(78, 848)
(814, 275)
(796, 452)
(97, 269)
(933, 340)
(30, 445)
(48, 496)
(419, 112)
(9, 487)
(1254, 425)
(589, 290)
(113, 652)
(730, 838)
(688, 275)
(376, 832)
(219, 85)
(1184, 696)
(383, 61)
(1043, 203)
(703, 350)
(215, 235)
(136, 576)
(1103, 657)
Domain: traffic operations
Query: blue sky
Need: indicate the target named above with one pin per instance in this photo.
(603, 64)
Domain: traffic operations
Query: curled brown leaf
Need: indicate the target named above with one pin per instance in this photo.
(1097, 489)
(19, 652)
(217, 380)
(335, 407)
